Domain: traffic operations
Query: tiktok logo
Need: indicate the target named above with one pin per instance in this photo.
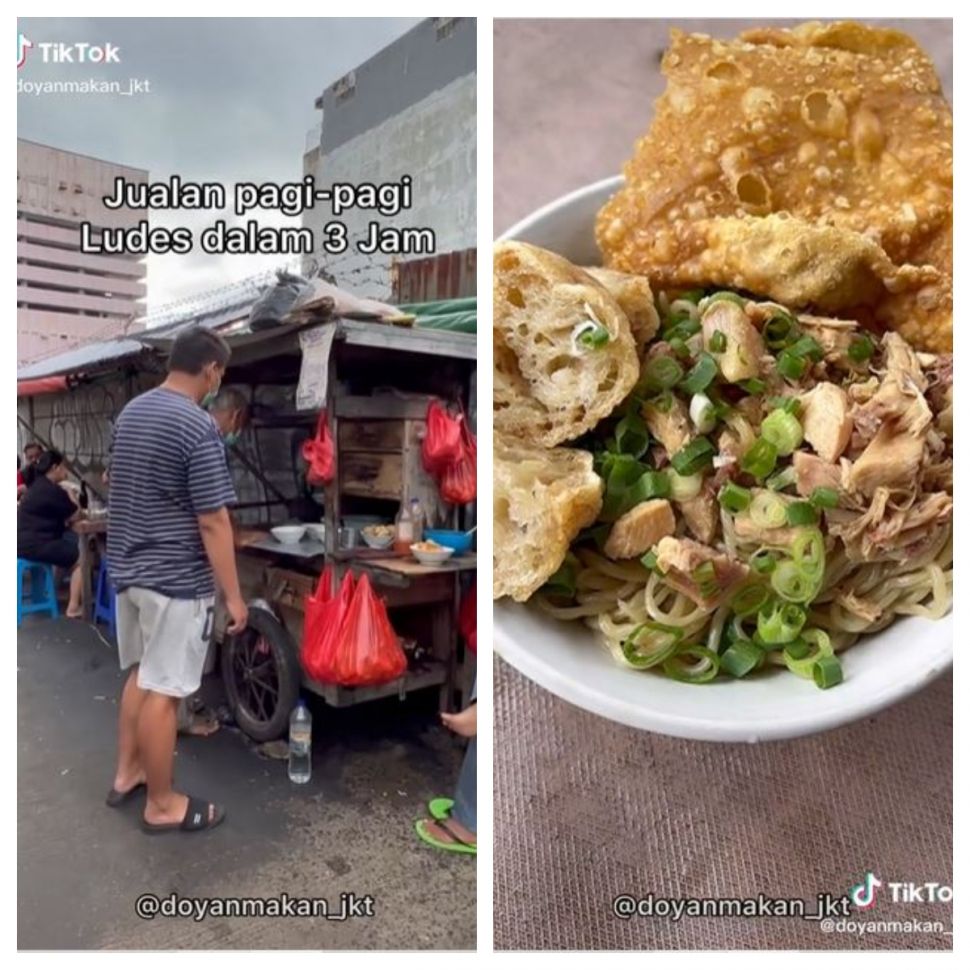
(23, 45)
(864, 895)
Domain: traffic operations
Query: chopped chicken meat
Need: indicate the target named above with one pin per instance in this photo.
(672, 428)
(702, 513)
(743, 347)
(811, 472)
(826, 421)
(640, 529)
(679, 559)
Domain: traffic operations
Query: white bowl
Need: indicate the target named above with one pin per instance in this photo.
(567, 659)
(432, 558)
(318, 530)
(289, 535)
(376, 542)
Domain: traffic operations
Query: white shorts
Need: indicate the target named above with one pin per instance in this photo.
(168, 638)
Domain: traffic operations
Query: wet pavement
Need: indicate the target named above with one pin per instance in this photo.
(82, 866)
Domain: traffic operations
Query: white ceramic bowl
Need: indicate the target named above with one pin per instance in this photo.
(318, 530)
(376, 542)
(567, 659)
(432, 558)
(289, 535)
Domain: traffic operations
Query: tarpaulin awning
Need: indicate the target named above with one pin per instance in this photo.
(41, 385)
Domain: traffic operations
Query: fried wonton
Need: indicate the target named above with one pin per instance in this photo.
(837, 125)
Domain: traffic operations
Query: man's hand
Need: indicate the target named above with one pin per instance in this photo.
(238, 615)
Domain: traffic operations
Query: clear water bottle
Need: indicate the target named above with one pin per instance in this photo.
(301, 727)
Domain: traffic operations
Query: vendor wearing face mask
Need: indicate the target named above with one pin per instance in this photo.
(230, 411)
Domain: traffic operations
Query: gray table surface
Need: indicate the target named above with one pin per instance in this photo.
(586, 809)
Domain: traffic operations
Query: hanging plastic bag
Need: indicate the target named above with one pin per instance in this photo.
(367, 650)
(318, 453)
(323, 617)
(468, 619)
(458, 481)
(442, 441)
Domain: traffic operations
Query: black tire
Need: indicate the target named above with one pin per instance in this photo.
(261, 702)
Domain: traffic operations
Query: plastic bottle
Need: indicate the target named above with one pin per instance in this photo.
(417, 520)
(301, 730)
(404, 530)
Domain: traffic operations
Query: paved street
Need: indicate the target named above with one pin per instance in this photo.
(81, 865)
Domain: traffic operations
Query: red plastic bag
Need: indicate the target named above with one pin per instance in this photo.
(323, 615)
(442, 441)
(458, 482)
(318, 453)
(366, 650)
(468, 619)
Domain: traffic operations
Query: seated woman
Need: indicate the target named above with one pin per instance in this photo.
(44, 518)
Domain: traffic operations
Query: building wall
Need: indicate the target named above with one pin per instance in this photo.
(410, 110)
(64, 298)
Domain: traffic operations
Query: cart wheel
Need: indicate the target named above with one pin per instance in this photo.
(261, 673)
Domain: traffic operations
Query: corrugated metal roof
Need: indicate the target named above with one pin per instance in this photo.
(83, 358)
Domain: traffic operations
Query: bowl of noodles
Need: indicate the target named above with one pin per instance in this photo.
(770, 554)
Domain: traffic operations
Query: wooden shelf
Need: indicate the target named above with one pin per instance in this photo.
(431, 673)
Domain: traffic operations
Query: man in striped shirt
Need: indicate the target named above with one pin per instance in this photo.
(169, 543)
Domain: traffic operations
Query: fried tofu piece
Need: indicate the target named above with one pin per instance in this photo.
(542, 498)
(635, 298)
(839, 125)
(641, 528)
(550, 387)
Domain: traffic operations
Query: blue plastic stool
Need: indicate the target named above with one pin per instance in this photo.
(43, 594)
(104, 601)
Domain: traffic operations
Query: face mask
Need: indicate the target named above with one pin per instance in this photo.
(231, 438)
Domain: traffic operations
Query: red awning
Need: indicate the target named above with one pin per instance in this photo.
(42, 385)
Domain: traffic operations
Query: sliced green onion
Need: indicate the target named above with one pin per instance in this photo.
(793, 585)
(759, 460)
(705, 576)
(725, 295)
(791, 367)
(718, 342)
(721, 407)
(740, 658)
(593, 335)
(661, 374)
(692, 296)
(808, 553)
(801, 513)
(753, 385)
(749, 600)
(678, 347)
(648, 486)
(702, 413)
(767, 510)
(798, 649)
(861, 349)
(781, 480)
(700, 375)
(780, 623)
(790, 404)
(733, 497)
(663, 402)
(779, 330)
(631, 435)
(824, 498)
(684, 487)
(783, 430)
(693, 457)
(702, 671)
(802, 664)
(563, 581)
(635, 656)
(827, 672)
(681, 329)
(807, 347)
(649, 560)
(763, 562)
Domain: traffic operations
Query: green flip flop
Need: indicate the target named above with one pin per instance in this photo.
(425, 836)
(440, 808)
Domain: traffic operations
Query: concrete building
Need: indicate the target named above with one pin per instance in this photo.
(409, 110)
(66, 298)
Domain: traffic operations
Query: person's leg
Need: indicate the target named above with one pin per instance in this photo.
(74, 597)
(156, 747)
(465, 811)
(130, 771)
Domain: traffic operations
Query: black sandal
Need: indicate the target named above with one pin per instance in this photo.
(196, 818)
(117, 798)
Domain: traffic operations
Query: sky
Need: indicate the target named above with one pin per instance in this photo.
(231, 100)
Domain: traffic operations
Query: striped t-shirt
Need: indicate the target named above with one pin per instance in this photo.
(168, 466)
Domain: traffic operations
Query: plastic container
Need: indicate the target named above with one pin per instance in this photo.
(301, 741)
